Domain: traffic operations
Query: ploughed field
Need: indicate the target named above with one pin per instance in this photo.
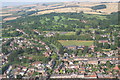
(76, 42)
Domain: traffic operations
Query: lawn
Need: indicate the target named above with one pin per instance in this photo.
(75, 42)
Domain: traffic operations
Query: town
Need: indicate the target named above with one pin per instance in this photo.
(61, 46)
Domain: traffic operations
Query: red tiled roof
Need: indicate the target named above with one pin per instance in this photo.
(116, 67)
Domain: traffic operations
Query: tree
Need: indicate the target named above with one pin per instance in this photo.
(86, 49)
(113, 47)
(54, 56)
(106, 46)
(19, 76)
(108, 64)
(79, 53)
(100, 45)
(78, 32)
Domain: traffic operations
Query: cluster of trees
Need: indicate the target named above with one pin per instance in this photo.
(98, 7)
(11, 33)
(62, 22)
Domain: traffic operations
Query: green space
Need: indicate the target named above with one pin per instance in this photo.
(76, 42)
(101, 17)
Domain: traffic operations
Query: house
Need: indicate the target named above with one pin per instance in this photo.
(93, 62)
(46, 54)
(66, 54)
(82, 69)
(100, 75)
(80, 58)
(70, 63)
(67, 76)
(103, 35)
(31, 69)
(103, 62)
(108, 76)
(92, 47)
(40, 70)
(116, 67)
(36, 64)
(73, 47)
(9, 69)
(50, 34)
(22, 73)
(80, 47)
(103, 41)
(24, 69)
(91, 75)
(72, 66)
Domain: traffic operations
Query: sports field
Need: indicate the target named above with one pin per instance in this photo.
(76, 42)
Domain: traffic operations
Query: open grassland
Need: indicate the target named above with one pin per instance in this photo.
(111, 7)
(76, 42)
(5, 15)
(85, 7)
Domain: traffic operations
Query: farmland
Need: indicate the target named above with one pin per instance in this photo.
(76, 42)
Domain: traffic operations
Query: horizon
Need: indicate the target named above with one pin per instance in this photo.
(62, 1)
(20, 3)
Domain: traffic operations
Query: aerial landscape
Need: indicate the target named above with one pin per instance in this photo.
(69, 40)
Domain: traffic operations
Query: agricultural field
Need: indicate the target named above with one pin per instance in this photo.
(10, 18)
(76, 42)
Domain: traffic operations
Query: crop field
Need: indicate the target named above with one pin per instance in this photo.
(10, 18)
(76, 42)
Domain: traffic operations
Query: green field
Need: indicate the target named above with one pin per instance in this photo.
(102, 17)
(75, 42)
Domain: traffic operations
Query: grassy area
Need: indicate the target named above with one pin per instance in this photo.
(95, 16)
(75, 42)
(72, 19)
(106, 49)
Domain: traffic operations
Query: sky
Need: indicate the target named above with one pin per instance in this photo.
(56, 0)
(25, 2)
